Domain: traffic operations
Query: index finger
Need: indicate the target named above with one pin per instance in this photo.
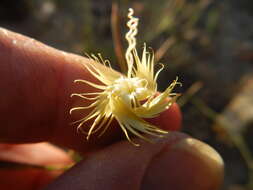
(36, 83)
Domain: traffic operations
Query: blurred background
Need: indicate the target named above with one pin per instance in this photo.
(208, 44)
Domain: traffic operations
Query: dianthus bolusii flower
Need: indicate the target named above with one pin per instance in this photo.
(127, 98)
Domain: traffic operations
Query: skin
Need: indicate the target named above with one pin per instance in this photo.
(36, 83)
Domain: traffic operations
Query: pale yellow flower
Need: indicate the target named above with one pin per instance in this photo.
(127, 98)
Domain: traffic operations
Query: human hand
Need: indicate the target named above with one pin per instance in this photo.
(36, 83)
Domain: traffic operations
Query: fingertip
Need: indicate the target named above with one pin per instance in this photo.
(188, 164)
(173, 118)
(170, 120)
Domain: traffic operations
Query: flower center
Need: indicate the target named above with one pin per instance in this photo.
(129, 89)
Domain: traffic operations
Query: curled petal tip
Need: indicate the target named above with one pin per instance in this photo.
(135, 144)
(77, 80)
(88, 137)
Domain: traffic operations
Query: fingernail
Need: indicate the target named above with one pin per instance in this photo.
(189, 164)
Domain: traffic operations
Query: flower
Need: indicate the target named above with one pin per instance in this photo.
(127, 98)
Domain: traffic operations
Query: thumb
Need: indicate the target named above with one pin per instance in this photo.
(175, 162)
